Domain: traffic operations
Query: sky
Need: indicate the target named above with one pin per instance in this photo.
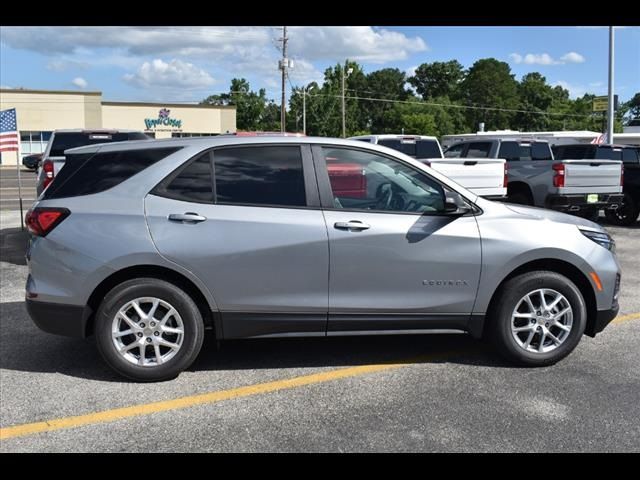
(185, 64)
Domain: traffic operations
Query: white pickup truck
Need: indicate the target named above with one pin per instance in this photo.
(486, 177)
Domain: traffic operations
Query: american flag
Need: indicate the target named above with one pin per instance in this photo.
(600, 139)
(8, 131)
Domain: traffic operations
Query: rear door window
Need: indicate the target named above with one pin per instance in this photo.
(194, 183)
(261, 176)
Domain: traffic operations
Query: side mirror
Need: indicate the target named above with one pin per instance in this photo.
(452, 208)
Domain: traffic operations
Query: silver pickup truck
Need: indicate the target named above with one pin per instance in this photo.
(576, 186)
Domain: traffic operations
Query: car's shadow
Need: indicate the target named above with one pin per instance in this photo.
(13, 245)
(24, 348)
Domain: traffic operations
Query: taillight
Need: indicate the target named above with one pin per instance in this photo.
(621, 175)
(41, 220)
(505, 180)
(47, 166)
(558, 177)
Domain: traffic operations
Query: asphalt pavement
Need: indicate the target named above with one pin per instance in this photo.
(433, 393)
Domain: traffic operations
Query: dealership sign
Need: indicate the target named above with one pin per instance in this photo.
(163, 120)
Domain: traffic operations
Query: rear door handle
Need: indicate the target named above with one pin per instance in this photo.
(351, 225)
(188, 217)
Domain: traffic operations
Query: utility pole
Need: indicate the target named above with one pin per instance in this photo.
(345, 74)
(283, 66)
(610, 107)
(305, 92)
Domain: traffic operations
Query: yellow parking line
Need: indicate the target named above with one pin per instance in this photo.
(205, 398)
(626, 318)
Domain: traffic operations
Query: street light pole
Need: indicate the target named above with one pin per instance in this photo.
(305, 92)
(610, 107)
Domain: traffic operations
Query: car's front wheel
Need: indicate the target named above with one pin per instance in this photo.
(148, 329)
(538, 318)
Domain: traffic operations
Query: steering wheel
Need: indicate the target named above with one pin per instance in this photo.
(384, 193)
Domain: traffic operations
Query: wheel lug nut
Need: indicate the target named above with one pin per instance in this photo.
(140, 334)
(142, 325)
(153, 324)
(156, 333)
(148, 340)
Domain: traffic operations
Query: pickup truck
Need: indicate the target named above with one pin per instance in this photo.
(486, 177)
(578, 186)
(627, 213)
(53, 157)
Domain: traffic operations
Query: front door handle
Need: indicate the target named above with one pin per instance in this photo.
(351, 225)
(188, 217)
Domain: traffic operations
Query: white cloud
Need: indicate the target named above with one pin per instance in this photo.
(61, 65)
(516, 57)
(364, 44)
(175, 74)
(572, 57)
(80, 82)
(6, 87)
(546, 59)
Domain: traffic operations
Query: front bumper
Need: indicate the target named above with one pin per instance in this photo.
(578, 202)
(59, 319)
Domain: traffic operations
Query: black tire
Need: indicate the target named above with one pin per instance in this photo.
(512, 291)
(520, 198)
(592, 214)
(149, 287)
(626, 214)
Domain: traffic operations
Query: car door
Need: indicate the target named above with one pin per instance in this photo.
(246, 221)
(397, 260)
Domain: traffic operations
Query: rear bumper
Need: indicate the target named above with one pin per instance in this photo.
(59, 319)
(578, 202)
(603, 318)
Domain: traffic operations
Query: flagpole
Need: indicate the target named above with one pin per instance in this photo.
(19, 177)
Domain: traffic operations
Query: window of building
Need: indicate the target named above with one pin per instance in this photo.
(268, 175)
(187, 135)
(33, 142)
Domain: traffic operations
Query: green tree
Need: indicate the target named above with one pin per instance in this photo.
(633, 106)
(489, 83)
(386, 84)
(438, 79)
(535, 98)
(253, 110)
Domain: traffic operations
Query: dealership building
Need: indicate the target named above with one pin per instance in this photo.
(40, 112)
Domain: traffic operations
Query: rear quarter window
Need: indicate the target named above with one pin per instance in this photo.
(65, 140)
(86, 174)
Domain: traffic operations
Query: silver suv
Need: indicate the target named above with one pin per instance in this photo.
(147, 244)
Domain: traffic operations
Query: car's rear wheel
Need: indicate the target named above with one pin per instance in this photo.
(148, 330)
(538, 318)
(626, 214)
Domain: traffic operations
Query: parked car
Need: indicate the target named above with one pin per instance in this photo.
(261, 237)
(629, 209)
(61, 140)
(575, 186)
(32, 161)
(486, 177)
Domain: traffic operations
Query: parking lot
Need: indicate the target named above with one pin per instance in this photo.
(394, 393)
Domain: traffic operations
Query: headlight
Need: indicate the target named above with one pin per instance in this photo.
(601, 238)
